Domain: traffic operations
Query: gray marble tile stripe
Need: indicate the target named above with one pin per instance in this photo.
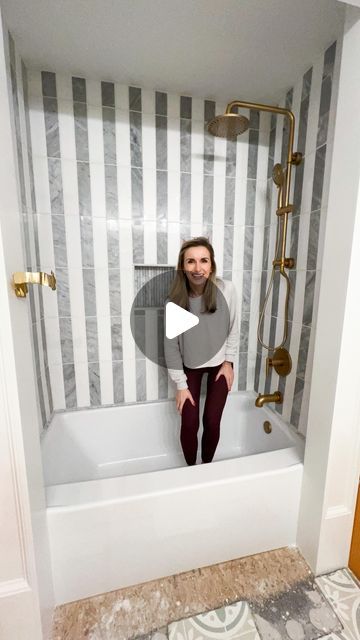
(313, 239)
(26, 218)
(86, 235)
(209, 140)
(162, 369)
(307, 87)
(137, 193)
(161, 178)
(230, 173)
(277, 278)
(113, 246)
(137, 199)
(94, 383)
(58, 230)
(248, 242)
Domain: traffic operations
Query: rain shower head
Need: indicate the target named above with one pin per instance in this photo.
(229, 125)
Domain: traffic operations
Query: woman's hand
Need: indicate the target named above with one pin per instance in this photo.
(227, 371)
(181, 396)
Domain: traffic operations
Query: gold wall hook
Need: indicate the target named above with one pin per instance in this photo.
(21, 279)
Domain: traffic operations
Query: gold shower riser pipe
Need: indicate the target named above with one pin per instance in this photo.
(289, 162)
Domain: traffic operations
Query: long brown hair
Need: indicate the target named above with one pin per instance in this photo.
(180, 288)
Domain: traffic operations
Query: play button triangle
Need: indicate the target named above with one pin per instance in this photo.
(178, 320)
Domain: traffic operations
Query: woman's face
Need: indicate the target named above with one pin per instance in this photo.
(197, 266)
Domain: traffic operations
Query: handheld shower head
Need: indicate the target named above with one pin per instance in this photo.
(278, 174)
(229, 125)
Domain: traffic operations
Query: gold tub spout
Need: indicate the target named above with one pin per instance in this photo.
(269, 397)
(22, 278)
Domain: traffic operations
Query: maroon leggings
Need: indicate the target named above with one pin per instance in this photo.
(216, 394)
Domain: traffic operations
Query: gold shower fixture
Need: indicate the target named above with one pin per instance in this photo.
(229, 125)
(21, 279)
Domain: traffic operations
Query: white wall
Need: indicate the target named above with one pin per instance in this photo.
(332, 457)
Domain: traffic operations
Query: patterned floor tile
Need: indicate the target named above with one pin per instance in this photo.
(230, 622)
(299, 614)
(338, 585)
(342, 591)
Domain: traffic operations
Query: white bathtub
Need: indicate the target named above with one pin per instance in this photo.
(123, 508)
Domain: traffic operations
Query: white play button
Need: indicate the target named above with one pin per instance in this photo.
(178, 320)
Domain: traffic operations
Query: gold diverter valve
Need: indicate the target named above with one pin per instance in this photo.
(21, 279)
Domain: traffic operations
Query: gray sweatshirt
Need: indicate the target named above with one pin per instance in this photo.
(211, 342)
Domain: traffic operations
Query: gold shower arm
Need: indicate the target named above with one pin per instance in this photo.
(22, 278)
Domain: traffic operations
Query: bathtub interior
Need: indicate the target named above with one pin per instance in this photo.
(140, 438)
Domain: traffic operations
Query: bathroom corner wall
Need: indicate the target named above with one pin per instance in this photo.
(313, 101)
(122, 175)
(21, 128)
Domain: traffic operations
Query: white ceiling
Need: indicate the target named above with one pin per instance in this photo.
(247, 49)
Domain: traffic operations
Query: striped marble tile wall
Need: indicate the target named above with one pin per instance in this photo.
(17, 75)
(115, 178)
(313, 101)
(122, 176)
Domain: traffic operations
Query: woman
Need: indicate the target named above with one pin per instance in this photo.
(209, 347)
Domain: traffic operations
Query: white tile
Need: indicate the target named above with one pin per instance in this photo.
(41, 184)
(45, 240)
(76, 292)
(122, 129)
(93, 93)
(173, 242)
(196, 201)
(126, 249)
(149, 191)
(173, 144)
(104, 336)
(64, 87)
(303, 242)
(124, 192)
(302, 427)
(102, 296)
(148, 132)
(151, 337)
(82, 383)
(37, 126)
(242, 152)
(173, 106)
(95, 134)
(79, 338)
(53, 341)
(106, 382)
(296, 104)
(70, 187)
(34, 83)
(220, 157)
(148, 101)
(254, 306)
(150, 242)
(57, 386)
(197, 147)
(197, 111)
(100, 226)
(129, 360)
(121, 96)
(314, 105)
(299, 296)
(66, 130)
(307, 187)
(97, 188)
(174, 196)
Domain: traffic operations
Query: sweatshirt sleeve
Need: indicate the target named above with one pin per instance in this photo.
(234, 335)
(174, 362)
